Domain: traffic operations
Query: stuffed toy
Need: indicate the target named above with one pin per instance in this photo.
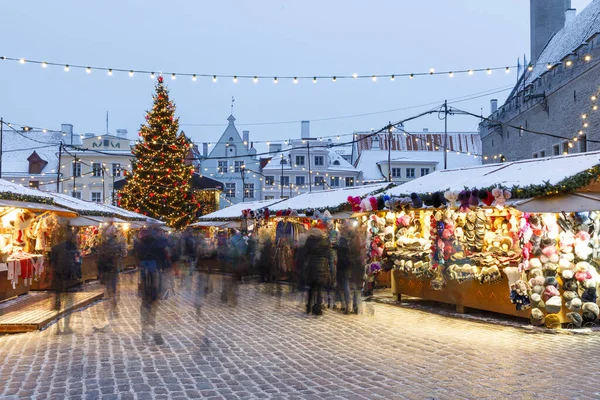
(486, 197)
(366, 206)
(474, 199)
(463, 198)
(21, 223)
(452, 197)
(380, 203)
(416, 200)
(500, 197)
(387, 201)
(582, 247)
(355, 203)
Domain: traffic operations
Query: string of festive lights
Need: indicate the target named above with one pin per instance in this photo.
(256, 78)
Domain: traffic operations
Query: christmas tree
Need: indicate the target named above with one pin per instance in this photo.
(159, 183)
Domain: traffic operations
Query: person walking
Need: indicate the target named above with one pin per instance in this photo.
(63, 261)
(110, 251)
(317, 269)
(190, 249)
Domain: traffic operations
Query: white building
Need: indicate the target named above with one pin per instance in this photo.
(232, 161)
(89, 171)
(307, 165)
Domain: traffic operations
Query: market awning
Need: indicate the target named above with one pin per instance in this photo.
(38, 207)
(94, 221)
(575, 202)
(206, 224)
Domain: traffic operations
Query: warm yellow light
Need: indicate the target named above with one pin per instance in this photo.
(587, 57)
(173, 76)
(489, 71)
(507, 70)
(194, 78)
(393, 77)
(374, 78)
(584, 116)
(451, 74)
(315, 79)
(110, 72)
(470, 72)
(411, 76)
(355, 75)
(569, 63)
(88, 70)
(255, 79)
(131, 73)
(214, 78)
(431, 71)
(44, 64)
(67, 68)
(334, 79)
(295, 80)
(235, 79)
(530, 68)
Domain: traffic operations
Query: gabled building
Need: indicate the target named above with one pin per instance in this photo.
(232, 161)
(306, 165)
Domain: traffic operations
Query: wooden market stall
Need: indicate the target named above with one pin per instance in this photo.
(524, 243)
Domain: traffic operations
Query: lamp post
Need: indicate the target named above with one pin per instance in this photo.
(281, 180)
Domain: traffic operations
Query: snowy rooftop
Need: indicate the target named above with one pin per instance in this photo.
(369, 160)
(519, 173)
(235, 211)
(80, 206)
(18, 146)
(7, 187)
(567, 40)
(320, 199)
(129, 214)
(335, 160)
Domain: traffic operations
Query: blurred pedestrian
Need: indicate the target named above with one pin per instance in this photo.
(150, 250)
(64, 264)
(236, 265)
(110, 251)
(317, 269)
(357, 259)
(190, 249)
(333, 236)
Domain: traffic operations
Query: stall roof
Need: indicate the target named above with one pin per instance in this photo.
(321, 199)
(15, 191)
(82, 207)
(38, 207)
(235, 211)
(537, 171)
(128, 214)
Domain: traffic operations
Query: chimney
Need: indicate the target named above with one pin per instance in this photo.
(305, 130)
(122, 133)
(546, 17)
(494, 105)
(246, 138)
(425, 130)
(569, 15)
(67, 130)
(205, 149)
(274, 148)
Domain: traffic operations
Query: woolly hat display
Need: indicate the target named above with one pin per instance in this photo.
(390, 217)
(535, 263)
(486, 197)
(551, 281)
(549, 292)
(569, 295)
(575, 319)
(501, 196)
(474, 199)
(452, 197)
(416, 200)
(589, 316)
(574, 305)
(537, 317)
(567, 274)
(553, 321)
(354, 202)
(539, 289)
(593, 307)
(380, 203)
(589, 295)
(571, 284)
(438, 200)
(553, 305)
(536, 301)
(534, 273)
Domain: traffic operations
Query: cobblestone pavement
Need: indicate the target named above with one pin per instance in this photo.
(266, 347)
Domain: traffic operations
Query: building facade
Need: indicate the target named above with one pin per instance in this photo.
(307, 165)
(232, 161)
(551, 110)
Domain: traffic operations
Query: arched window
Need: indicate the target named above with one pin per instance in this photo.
(336, 162)
(231, 139)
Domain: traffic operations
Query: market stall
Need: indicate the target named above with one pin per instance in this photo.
(523, 240)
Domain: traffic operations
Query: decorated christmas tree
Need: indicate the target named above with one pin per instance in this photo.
(159, 183)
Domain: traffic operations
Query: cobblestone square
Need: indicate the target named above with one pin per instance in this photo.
(266, 347)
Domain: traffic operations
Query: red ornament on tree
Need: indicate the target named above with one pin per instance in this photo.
(160, 80)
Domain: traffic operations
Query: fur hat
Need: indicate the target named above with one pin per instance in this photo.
(474, 199)
(416, 200)
(589, 295)
(553, 305)
(451, 196)
(537, 317)
(569, 295)
(549, 292)
(575, 319)
(438, 200)
(567, 274)
(571, 284)
(553, 321)
(593, 307)
(589, 316)
(574, 305)
(486, 197)
(551, 281)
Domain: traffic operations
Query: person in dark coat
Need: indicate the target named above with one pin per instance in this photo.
(63, 260)
(110, 252)
(317, 269)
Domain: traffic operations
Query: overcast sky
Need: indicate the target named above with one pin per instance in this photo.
(266, 37)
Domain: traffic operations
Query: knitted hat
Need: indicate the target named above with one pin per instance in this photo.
(488, 199)
(553, 321)
(567, 274)
(550, 292)
(416, 200)
(538, 289)
(537, 316)
(569, 295)
(575, 319)
(589, 316)
(589, 295)
(574, 305)
(553, 305)
(551, 281)
(593, 307)
(570, 285)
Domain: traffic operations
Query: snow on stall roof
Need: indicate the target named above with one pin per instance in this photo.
(522, 173)
(567, 40)
(369, 159)
(78, 205)
(235, 211)
(129, 214)
(15, 188)
(18, 146)
(320, 199)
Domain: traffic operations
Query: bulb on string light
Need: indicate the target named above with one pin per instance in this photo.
(569, 63)
(470, 72)
(214, 79)
(587, 58)
(411, 76)
(507, 70)
(295, 80)
(315, 79)
(374, 78)
(44, 64)
(194, 77)
(275, 80)
(593, 98)
(595, 107)
(530, 68)
(334, 79)
(393, 77)
(67, 68)
(131, 73)
(431, 71)
(173, 76)
(584, 116)
(451, 74)
(580, 132)
(355, 75)
(235, 79)
(489, 71)
(585, 124)
(110, 72)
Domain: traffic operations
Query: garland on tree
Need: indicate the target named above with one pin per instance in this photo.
(159, 185)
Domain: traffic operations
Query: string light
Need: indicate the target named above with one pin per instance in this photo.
(393, 77)
(315, 79)
(255, 79)
(507, 70)
(88, 70)
(214, 78)
(110, 72)
(173, 76)
(569, 63)
(131, 73)
(587, 58)
(275, 80)
(44, 64)
(194, 78)
(431, 71)
(295, 80)
(21, 61)
(451, 74)
(235, 79)
(489, 71)
(470, 72)
(530, 68)
(334, 79)
(67, 68)
(374, 78)
(355, 75)
(411, 76)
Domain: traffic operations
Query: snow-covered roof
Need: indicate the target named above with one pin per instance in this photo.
(235, 211)
(567, 40)
(18, 146)
(81, 206)
(369, 160)
(522, 173)
(335, 160)
(129, 214)
(322, 199)
(10, 191)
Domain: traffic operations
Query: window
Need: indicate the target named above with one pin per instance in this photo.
(249, 190)
(97, 197)
(300, 180)
(583, 143)
(336, 162)
(542, 153)
(76, 169)
(96, 169)
(396, 172)
(424, 171)
(535, 155)
(556, 150)
(34, 184)
(269, 197)
(349, 181)
(285, 197)
(76, 194)
(116, 169)
(565, 147)
(230, 190)
(410, 172)
(238, 166)
(319, 161)
(269, 180)
(300, 160)
(285, 181)
(222, 167)
(319, 181)
(334, 181)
